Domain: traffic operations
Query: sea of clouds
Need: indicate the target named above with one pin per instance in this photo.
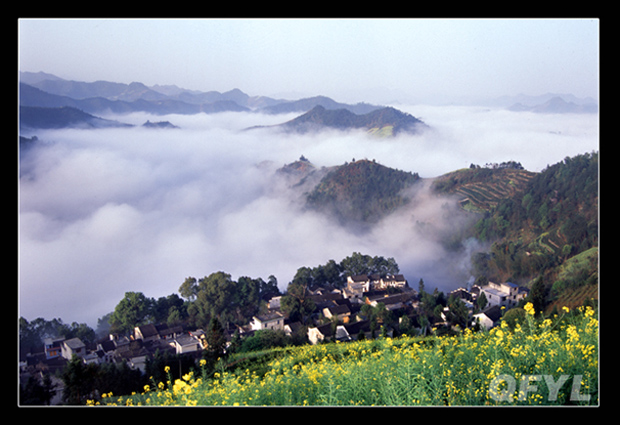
(106, 211)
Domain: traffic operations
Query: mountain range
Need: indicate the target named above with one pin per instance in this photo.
(556, 105)
(47, 101)
(46, 90)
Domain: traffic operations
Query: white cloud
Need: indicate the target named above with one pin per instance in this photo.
(103, 212)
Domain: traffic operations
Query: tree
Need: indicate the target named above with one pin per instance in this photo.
(356, 264)
(174, 317)
(247, 298)
(263, 339)
(359, 263)
(163, 307)
(216, 340)
(269, 289)
(79, 330)
(421, 286)
(457, 314)
(79, 381)
(35, 393)
(538, 295)
(103, 325)
(481, 301)
(133, 310)
(215, 298)
(333, 274)
(514, 316)
(296, 304)
(189, 289)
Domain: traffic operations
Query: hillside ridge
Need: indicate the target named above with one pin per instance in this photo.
(361, 192)
(319, 118)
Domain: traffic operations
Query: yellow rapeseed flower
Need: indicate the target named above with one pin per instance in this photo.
(529, 308)
(566, 309)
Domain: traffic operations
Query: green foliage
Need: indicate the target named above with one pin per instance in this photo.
(31, 334)
(216, 339)
(361, 192)
(33, 392)
(563, 197)
(580, 270)
(133, 310)
(218, 295)
(265, 339)
(553, 218)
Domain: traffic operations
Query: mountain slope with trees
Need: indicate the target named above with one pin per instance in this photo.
(480, 189)
(361, 192)
(540, 231)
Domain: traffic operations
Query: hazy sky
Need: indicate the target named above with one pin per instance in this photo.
(347, 59)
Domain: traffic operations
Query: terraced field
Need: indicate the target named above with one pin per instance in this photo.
(482, 189)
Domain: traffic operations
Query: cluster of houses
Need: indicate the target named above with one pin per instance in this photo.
(338, 314)
(498, 296)
(133, 349)
(338, 317)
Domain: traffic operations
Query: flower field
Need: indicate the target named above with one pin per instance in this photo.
(550, 361)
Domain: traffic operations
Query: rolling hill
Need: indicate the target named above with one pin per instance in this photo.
(385, 121)
(481, 189)
(63, 117)
(360, 193)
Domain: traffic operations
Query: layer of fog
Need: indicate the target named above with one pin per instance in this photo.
(103, 212)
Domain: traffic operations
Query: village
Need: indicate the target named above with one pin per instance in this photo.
(339, 315)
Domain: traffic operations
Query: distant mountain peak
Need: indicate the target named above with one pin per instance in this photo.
(388, 121)
(556, 105)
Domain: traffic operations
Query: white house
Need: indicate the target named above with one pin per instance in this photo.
(356, 286)
(489, 317)
(319, 333)
(342, 312)
(186, 344)
(73, 346)
(53, 347)
(274, 303)
(274, 320)
(391, 281)
(503, 294)
(146, 332)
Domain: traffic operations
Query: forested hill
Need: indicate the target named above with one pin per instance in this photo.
(361, 192)
(480, 189)
(550, 225)
(562, 200)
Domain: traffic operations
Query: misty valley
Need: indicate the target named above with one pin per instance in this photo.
(126, 187)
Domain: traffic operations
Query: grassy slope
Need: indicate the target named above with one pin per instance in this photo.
(405, 371)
